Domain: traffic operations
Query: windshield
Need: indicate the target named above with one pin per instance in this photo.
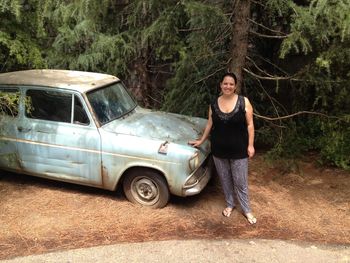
(111, 102)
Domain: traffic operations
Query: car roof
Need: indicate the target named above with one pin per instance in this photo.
(67, 79)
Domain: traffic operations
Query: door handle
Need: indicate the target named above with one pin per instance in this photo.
(21, 129)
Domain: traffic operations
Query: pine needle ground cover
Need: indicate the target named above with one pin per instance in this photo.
(306, 204)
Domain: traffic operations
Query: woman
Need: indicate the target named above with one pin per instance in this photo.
(231, 129)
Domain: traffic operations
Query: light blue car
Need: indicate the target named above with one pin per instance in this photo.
(85, 128)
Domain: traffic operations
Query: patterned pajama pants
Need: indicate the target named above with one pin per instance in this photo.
(233, 174)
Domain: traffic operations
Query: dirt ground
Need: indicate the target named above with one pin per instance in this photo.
(305, 203)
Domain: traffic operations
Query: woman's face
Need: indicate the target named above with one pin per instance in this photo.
(228, 86)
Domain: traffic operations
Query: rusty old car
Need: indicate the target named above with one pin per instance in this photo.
(86, 128)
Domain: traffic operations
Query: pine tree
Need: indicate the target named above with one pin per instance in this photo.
(290, 56)
(21, 29)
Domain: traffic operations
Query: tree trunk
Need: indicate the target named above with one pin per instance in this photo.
(239, 43)
(139, 82)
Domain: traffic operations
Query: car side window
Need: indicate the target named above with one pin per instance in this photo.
(80, 116)
(49, 105)
(9, 101)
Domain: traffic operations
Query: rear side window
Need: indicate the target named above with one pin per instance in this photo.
(9, 101)
(49, 105)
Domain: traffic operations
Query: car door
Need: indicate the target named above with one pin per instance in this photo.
(9, 118)
(58, 138)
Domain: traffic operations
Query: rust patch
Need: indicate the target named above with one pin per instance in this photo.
(104, 175)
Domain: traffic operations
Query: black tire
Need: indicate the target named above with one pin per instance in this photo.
(146, 187)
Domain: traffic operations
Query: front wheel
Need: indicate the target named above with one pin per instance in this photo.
(147, 188)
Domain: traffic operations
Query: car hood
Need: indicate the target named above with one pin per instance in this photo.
(158, 125)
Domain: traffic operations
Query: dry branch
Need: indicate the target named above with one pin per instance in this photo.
(269, 29)
(292, 115)
(269, 78)
(266, 36)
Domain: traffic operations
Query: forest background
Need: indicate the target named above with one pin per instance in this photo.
(292, 59)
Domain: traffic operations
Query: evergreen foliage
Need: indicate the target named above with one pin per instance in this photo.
(20, 35)
(203, 58)
(322, 29)
(179, 49)
(9, 103)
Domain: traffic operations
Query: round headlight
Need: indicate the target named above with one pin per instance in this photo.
(194, 161)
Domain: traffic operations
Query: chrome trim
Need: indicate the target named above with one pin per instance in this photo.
(85, 150)
(200, 185)
(201, 173)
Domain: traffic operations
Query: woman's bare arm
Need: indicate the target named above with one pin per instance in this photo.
(206, 132)
(250, 127)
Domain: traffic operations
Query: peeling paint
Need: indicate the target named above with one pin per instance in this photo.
(98, 153)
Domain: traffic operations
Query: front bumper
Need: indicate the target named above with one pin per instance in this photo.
(203, 175)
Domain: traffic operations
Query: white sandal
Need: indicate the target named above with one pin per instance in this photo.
(251, 218)
(227, 211)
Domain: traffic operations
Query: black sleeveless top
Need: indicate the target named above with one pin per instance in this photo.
(229, 133)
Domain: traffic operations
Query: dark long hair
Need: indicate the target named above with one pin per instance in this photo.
(229, 74)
